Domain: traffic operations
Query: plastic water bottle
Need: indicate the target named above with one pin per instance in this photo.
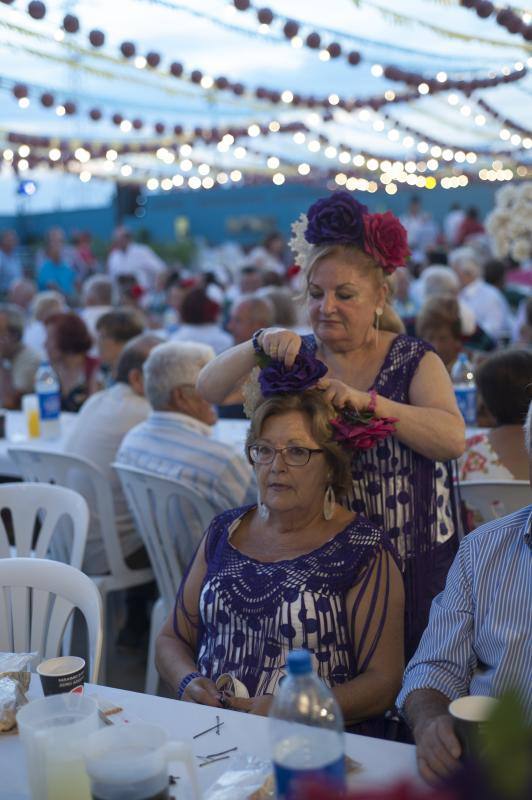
(465, 388)
(306, 730)
(49, 393)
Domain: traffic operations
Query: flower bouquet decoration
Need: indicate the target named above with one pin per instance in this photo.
(509, 223)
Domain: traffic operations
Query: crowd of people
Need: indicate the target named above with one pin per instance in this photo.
(312, 544)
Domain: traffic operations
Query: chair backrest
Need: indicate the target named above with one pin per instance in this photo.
(42, 509)
(84, 477)
(37, 598)
(492, 499)
(160, 508)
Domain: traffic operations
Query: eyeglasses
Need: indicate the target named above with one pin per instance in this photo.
(293, 456)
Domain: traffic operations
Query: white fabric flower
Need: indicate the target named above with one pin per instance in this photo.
(298, 244)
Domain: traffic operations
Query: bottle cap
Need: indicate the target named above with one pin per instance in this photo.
(299, 662)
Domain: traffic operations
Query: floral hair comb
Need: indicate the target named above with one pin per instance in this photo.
(351, 429)
(340, 219)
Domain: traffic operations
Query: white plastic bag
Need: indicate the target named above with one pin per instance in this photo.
(14, 683)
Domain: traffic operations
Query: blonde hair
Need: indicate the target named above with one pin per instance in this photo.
(319, 412)
(352, 255)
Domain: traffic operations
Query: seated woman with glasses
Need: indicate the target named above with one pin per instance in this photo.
(297, 570)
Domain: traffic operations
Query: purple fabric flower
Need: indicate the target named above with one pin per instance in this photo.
(337, 218)
(306, 371)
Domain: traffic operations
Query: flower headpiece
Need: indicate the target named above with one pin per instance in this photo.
(351, 429)
(340, 219)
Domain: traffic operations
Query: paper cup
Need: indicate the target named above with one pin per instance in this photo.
(61, 674)
(469, 715)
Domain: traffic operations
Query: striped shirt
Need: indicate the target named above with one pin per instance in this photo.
(479, 637)
(176, 445)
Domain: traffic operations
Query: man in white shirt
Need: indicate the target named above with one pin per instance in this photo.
(103, 421)
(176, 440)
(129, 258)
(488, 304)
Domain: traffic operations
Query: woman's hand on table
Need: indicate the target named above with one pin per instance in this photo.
(253, 705)
(280, 344)
(202, 691)
(339, 394)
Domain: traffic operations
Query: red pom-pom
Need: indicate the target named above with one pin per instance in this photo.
(178, 130)
(485, 9)
(513, 24)
(176, 69)
(96, 38)
(95, 114)
(127, 49)
(265, 16)
(70, 107)
(20, 90)
(196, 75)
(354, 58)
(334, 50)
(313, 40)
(159, 127)
(70, 23)
(36, 9)
(238, 88)
(242, 5)
(47, 99)
(153, 59)
(221, 82)
(117, 119)
(291, 29)
(137, 124)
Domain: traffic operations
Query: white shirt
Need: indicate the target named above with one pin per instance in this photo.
(100, 426)
(90, 316)
(218, 339)
(176, 445)
(489, 306)
(138, 260)
(35, 337)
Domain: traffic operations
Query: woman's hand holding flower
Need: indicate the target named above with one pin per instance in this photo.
(339, 394)
(280, 344)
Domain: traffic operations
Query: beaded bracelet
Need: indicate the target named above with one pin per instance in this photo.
(372, 405)
(184, 683)
(255, 341)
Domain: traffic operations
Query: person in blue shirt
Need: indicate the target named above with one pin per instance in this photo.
(10, 264)
(479, 637)
(54, 272)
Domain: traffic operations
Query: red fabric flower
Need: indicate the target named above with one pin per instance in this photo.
(385, 240)
(362, 435)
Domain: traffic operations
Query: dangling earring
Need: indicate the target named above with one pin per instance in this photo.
(264, 512)
(378, 315)
(329, 502)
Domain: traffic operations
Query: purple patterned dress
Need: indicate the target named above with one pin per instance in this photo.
(252, 613)
(409, 495)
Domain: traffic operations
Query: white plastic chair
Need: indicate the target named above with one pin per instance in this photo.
(83, 476)
(52, 506)
(37, 598)
(490, 500)
(150, 499)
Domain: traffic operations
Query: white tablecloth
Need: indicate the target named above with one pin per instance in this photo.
(230, 431)
(382, 762)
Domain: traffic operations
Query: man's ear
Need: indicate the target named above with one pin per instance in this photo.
(136, 380)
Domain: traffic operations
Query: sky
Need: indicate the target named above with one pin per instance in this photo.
(210, 35)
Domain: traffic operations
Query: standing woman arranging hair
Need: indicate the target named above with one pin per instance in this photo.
(405, 483)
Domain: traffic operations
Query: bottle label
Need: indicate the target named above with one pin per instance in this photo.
(288, 779)
(466, 399)
(49, 406)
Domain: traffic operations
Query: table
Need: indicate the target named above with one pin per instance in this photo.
(230, 431)
(382, 761)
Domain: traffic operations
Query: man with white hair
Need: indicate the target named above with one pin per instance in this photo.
(479, 637)
(488, 304)
(175, 441)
